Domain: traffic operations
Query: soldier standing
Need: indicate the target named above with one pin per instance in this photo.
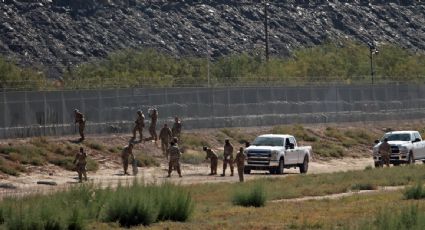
(140, 124)
(228, 157)
(177, 127)
(125, 155)
(153, 114)
(240, 162)
(385, 152)
(175, 154)
(165, 136)
(79, 118)
(80, 163)
(214, 159)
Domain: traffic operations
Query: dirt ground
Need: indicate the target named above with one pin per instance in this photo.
(111, 175)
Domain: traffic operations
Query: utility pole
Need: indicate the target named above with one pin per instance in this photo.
(208, 63)
(266, 28)
(372, 51)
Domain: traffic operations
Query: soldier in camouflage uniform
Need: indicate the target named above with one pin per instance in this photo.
(214, 159)
(80, 163)
(152, 127)
(79, 118)
(140, 124)
(125, 155)
(240, 162)
(385, 152)
(228, 157)
(175, 154)
(177, 128)
(165, 136)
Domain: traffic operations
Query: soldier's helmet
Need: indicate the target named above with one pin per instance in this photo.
(205, 148)
(241, 149)
(81, 149)
(76, 110)
(385, 139)
(139, 112)
(227, 141)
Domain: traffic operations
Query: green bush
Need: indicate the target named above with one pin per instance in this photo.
(363, 186)
(327, 149)
(174, 204)
(144, 160)
(254, 196)
(193, 157)
(297, 130)
(95, 145)
(416, 192)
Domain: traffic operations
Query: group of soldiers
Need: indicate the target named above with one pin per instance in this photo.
(170, 139)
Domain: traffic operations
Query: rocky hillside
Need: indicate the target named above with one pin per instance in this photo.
(58, 34)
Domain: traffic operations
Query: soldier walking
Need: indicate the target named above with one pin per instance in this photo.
(125, 155)
(177, 127)
(240, 162)
(80, 163)
(79, 118)
(165, 136)
(385, 152)
(175, 154)
(140, 124)
(228, 157)
(214, 159)
(153, 114)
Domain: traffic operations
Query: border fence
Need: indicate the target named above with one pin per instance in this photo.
(47, 113)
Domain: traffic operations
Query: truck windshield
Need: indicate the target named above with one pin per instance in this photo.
(397, 137)
(268, 141)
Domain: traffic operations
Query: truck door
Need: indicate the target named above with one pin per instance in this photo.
(291, 153)
(418, 147)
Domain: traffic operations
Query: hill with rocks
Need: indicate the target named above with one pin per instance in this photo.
(59, 34)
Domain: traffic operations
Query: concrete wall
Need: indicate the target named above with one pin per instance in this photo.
(25, 114)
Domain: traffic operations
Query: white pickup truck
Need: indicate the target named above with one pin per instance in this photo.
(275, 152)
(406, 147)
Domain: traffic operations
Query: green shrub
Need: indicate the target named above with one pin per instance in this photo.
(144, 160)
(174, 203)
(416, 192)
(95, 146)
(297, 130)
(10, 168)
(193, 157)
(190, 140)
(253, 196)
(327, 149)
(363, 186)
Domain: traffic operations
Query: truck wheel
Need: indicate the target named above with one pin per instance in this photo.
(279, 169)
(304, 165)
(246, 171)
(378, 164)
(272, 171)
(411, 159)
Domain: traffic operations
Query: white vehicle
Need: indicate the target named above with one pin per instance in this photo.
(406, 147)
(275, 152)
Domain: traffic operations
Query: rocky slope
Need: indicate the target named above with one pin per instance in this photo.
(58, 34)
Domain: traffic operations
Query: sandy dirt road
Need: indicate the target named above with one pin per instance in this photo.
(111, 175)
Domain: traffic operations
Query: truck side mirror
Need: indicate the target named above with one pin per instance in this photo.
(376, 141)
(292, 146)
(417, 140)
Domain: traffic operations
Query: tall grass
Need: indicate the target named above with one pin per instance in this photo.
(254, 196)
(133, 205)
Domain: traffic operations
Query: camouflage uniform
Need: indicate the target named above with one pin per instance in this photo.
(174, 162)
(240, 162)
(228, 158)
(80, 163)
(79, 118)
(152, 126)
(165, 135)
(214, 160)
(177, 128)
(140, 124)
(385, 152)
(126, 153)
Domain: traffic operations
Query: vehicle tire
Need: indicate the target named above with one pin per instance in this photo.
(378, 164)
(272, 171)
(396, 164)
(411, 159)
(246, 171)
(279, 169)
(304, 165)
